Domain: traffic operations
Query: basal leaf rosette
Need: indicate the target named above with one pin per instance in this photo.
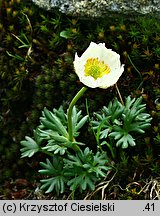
(98, 66)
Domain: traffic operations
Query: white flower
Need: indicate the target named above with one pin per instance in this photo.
(98, 66)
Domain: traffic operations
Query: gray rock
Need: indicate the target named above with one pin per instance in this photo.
(99, 8)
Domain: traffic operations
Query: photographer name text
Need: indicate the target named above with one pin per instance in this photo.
(74, 207)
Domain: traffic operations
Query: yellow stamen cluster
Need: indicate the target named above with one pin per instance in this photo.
(96, 68)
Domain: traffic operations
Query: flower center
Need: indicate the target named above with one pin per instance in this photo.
(96, 68)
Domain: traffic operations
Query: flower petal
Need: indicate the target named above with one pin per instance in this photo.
(108, 57)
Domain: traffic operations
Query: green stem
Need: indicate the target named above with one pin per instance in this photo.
(46, 152)
(113, 153)
(73, 102)
(135, 67)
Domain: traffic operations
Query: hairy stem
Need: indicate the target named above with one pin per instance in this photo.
(73, 102)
